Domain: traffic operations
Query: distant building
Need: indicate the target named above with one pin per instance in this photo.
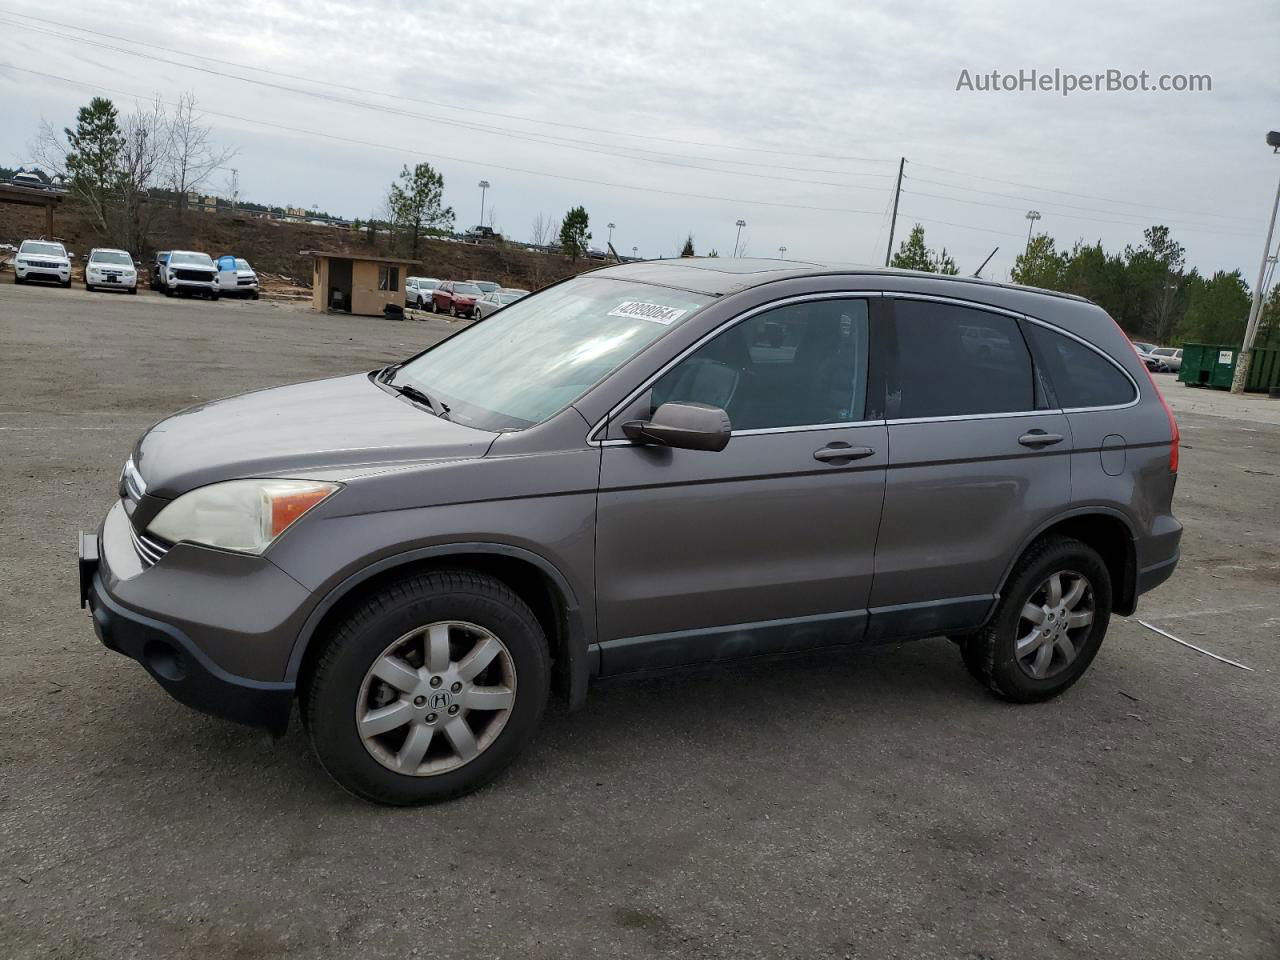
(356, 284)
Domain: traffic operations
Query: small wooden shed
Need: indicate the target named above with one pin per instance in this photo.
(355, 283)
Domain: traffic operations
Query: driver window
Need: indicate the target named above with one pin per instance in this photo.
(804, 364)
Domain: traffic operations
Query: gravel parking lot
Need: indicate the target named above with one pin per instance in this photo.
(868, 804)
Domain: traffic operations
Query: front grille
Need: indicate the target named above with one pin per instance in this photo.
(44, 264)
(200, 276)
(150, 549)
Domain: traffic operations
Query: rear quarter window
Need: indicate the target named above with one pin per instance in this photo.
(1081, 376)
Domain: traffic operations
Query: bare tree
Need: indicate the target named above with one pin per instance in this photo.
(192, 156)
(142, 156)
(540, 232)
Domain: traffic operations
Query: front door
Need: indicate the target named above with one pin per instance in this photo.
(767, 545)
(977, 461)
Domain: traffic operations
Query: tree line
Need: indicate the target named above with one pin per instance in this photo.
(1147, 288)
(113, 164)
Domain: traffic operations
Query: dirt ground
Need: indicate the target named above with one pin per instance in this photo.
(870, 804)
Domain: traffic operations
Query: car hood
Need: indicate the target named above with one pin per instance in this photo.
(323, 426)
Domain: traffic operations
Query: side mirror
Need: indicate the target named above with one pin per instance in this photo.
(685, 426)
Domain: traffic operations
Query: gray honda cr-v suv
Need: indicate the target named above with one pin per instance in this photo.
(647, 466)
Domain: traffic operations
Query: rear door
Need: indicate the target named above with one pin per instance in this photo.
(767, 545)
(977, 460)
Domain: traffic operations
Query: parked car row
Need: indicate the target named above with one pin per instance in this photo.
(1158, 359)
(189, 272)
(106, 268)
(461, 298)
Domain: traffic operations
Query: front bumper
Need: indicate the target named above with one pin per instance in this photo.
(199, 286)
(108, 281)
(164, 643)
(24, 272)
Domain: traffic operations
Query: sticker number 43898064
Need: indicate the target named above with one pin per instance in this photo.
(648, 311)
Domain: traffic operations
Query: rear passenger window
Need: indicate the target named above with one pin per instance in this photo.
(954, 361)
(1080, 377)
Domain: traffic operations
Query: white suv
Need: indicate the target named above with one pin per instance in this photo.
(42, 260)
(417, 291)
(110, 270)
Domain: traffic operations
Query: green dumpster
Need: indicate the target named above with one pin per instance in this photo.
(1208, 364)
(1264, 369)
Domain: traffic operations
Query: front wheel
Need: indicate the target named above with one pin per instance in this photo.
(428, 690)
(88, 287)
(1048, 625)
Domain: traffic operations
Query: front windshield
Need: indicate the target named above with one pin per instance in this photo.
(112, 256)
(196, 259)
(486, 285)
(537, 356)
(242, 264)
(509, 297)
(466, 289)
(44, 249)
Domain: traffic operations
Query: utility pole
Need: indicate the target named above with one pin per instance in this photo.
(740, 224)
(1032, 217)
(893, 220)
(235, 188)
(1255, 311)
(484, 185)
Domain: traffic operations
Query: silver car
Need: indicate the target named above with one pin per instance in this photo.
(497, 299)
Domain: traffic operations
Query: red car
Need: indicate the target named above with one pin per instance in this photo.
(456, 297)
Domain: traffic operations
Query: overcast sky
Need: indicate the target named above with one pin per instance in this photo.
(669, 119)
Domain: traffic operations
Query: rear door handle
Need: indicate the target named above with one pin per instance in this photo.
(836, 453)
(1038, 438)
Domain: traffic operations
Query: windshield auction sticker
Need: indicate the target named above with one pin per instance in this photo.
(648, 311)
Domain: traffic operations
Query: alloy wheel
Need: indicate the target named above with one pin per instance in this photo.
(1054, 624)
(436, 698)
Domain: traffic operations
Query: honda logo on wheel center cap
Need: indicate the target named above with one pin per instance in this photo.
(439, 700)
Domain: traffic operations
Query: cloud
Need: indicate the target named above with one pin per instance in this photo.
(811, 80)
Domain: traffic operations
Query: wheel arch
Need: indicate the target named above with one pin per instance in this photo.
(1106, 530)
(530, 576)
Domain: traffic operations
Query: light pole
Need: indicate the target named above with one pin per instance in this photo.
(611, 234)
(783, 252)
(1032, 217)
(484, 185)
(635, 253)
(1255, 311)
(740, 224)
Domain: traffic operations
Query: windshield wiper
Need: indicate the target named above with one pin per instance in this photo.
(410, 392)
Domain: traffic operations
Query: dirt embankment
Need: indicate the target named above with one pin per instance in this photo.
(273, 246)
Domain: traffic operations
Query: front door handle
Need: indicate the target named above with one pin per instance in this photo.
(842, 453)
(1038, 438)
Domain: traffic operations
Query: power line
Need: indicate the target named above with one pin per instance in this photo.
(438, 103)
(962, 226)
(582, 146)
(466, 160)
(1067, 193)
(1067, 216)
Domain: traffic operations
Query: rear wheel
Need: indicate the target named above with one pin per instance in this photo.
(1048, 625)
(429, 690)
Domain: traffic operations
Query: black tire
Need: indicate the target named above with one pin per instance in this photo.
(17, 280)
(88, 287)
(67, 285)
(213, 297)
(168, 292)
(331, 688)
(133, 291)
(989, 654)
(254, 295)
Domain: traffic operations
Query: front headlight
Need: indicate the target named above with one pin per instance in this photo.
(244, 515)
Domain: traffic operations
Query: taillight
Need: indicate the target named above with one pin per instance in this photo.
(1176, 440)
